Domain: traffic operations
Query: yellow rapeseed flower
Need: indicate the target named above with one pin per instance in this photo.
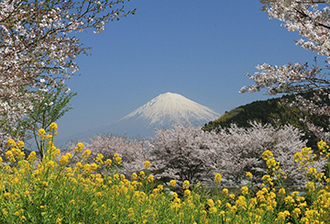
(116, 176)
(187, 193)
(64, 160)
(321, 144)
(217, 178)
(32, 156)
(41, 133)
(94, 166)
(87, 153)
(49, 137)
(296, 211)
(50, 164)
(9, 155)
(248, 175)
(23, 218)
(185, 184)
(272, 163)
(79, 165)
(79, 147)
(69, 155)
(146, 164)
(20, 144)
(289, 200)
(210, 202)
(160, 187)
(11, 143)
(53, 127)
(281, 191)
(283, 215)
(213, 210)
(134, 176)
(108, 163)
(150, 178)
(245, 190)
(310, 186)
(232, 196)
(44, 184)
(6, 195)
(99, 158)
(312, 171)
(142, 175)
(267, 154)
(267, 179)
(297, 157)
(117, 158)
(172, 183)
(306, 151)
(241, 202)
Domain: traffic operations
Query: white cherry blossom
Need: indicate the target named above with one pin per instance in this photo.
(38, 47)
(311, 19)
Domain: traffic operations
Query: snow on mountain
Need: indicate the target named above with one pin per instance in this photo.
(160, 112)
(172, 107)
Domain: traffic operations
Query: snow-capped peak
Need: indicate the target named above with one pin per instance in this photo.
(170, 107)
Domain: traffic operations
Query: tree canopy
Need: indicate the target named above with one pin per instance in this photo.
(38, 47)
(310, 19)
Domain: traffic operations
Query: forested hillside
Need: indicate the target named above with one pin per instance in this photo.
(273, 111)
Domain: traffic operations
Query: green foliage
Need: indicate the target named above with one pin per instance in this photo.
(52, 107)
(272, 111)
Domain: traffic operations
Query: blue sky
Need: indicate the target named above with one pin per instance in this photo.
(199, 49)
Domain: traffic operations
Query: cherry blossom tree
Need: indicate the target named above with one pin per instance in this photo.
(186, 152)
(182, 153)
(38, 48)
(189, 153)
(134, 152)
(311, 19)
(240, 150)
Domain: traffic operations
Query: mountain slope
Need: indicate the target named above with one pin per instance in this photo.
(267, 111)
(160, 112)
(271, 111)
(172, 106)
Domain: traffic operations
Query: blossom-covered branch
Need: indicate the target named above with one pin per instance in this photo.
(311, 18)
(38, 47)
(312, 21)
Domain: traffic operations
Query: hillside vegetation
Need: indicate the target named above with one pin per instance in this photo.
(272, 111)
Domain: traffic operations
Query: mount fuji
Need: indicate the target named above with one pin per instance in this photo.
(161, 112)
